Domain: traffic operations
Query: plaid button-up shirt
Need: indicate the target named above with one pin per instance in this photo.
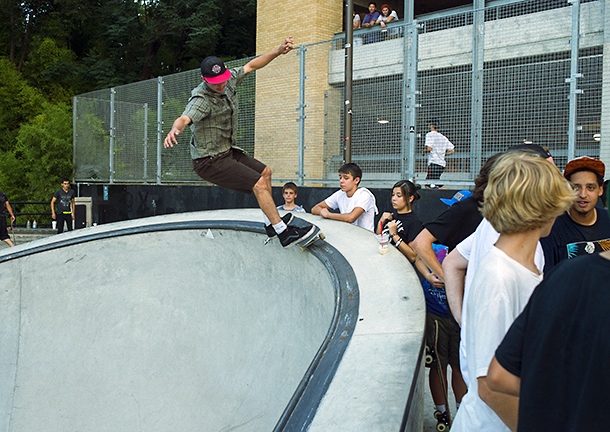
(214, 117)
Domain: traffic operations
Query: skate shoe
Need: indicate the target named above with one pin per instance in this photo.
(294, 234)
(287, 218)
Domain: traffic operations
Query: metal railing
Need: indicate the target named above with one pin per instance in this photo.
(512, 72)
(43, 218)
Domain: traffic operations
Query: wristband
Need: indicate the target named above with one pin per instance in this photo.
(398, 242)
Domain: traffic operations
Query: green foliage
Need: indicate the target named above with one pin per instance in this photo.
(41, 156)
(19, 101)
(51, 50)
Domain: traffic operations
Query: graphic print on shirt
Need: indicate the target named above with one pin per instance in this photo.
(587, 247)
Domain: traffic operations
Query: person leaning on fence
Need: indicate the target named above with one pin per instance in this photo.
(4, 206)
(356, 21)
(369, 21)
(212, 112)
(356, 205)
(64, 197)
(387, 15)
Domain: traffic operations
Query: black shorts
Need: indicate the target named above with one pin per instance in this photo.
(3, 231)
(233, 170)
(435, 171)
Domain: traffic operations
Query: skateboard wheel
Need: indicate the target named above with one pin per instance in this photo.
(322, 236)
(437, 414)
(441, 427)
(302, 248)
(429, 359)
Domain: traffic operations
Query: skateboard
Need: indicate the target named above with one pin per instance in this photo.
(308, 241)
(443, 419)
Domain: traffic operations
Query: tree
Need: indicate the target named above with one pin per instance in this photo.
(42, 154)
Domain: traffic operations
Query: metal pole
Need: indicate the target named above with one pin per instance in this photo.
(478, 52)
(145, 142)
(347, 113)
(112, 132)
(413, 105)
(574, 75)
(159, 126)
(302, 116)
(407, 94)
(74, 131)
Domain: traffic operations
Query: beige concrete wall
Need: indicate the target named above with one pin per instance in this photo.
(277, 85)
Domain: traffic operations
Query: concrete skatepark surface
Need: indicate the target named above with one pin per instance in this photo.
(162, 324)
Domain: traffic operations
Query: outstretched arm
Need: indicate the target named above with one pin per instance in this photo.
(454, 269)
(265, 59)
(177, 128)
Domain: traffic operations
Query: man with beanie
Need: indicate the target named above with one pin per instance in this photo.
(212, 113)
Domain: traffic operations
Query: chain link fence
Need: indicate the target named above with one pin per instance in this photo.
(514, 73)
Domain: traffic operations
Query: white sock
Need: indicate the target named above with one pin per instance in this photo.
(279, 227)
(441, 408)
(266, 220)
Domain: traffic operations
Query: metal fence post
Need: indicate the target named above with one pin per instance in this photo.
(74, 134)
(145, 142)
(409, 91)
(478, 53)
(574, 75)
(302, 116)
(159, 126)
(112, 133)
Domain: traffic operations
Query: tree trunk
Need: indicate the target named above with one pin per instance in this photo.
(26, 38)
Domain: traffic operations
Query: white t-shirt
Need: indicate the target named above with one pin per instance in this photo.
(473, 248)
(382, 17)
(362, 198)
(357, 20)
(439, 145)
(500, 290)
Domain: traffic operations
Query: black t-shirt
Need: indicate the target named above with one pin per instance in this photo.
(64, 200)
(569, 239)
(559, 347)
(408, 226)
(456, 223)
(3, 200)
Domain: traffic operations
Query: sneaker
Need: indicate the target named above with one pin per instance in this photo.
(294, 234)
(287, 218)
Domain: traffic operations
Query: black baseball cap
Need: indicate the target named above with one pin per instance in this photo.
(213, 70)
(532, 148)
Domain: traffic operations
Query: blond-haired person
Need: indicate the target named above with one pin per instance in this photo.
(524, 196)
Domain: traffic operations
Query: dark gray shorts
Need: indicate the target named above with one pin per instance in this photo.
(448, 340)
(233, 170)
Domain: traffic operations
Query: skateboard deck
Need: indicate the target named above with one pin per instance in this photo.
(441, 426)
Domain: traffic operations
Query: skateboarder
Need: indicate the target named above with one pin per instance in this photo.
(212, 114)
